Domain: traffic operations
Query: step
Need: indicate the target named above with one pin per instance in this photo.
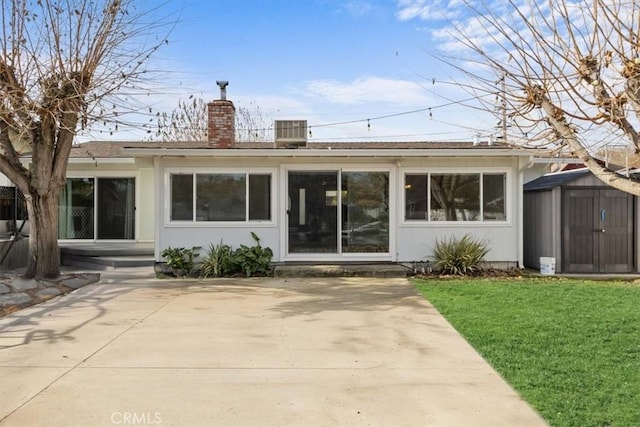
(106, 262)
(340, 270)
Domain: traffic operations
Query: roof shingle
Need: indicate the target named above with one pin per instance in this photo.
(113, 149)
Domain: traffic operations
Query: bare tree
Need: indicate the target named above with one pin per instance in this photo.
(566, 75)
(61, 62)
(188, 122)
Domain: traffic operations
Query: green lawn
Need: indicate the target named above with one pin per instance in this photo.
(571, 348)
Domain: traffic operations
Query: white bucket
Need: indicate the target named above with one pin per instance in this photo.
(547, 266)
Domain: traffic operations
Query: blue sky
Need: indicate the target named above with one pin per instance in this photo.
(326, 61)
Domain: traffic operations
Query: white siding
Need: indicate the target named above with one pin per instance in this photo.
(142, 171)
(409, 242)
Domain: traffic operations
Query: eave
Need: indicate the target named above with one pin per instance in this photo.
(323, 153)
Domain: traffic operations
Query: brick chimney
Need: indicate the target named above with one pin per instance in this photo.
(221, 118)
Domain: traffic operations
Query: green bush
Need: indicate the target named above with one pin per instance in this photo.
(253, 260)
(181, 260)
(459, 257)
(218, 261)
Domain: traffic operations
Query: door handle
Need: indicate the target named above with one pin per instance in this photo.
(599, 230)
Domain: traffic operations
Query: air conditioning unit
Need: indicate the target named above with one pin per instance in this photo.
(290, 133)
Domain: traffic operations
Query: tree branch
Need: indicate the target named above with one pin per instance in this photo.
(558, 121)
(612, 106)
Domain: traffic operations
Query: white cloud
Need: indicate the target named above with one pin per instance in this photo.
(428, 9)
(368, 90)
(357, 8)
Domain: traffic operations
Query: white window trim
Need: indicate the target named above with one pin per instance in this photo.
(460, 171)
(168, 223)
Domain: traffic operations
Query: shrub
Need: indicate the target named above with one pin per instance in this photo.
(459, 257)
(252, 260)
(180, 260)
(218, 261)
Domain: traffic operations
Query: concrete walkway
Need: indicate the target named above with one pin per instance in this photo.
(134, 350)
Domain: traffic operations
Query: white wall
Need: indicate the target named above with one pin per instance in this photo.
(142, 171)
(409, 241)
(417, 241)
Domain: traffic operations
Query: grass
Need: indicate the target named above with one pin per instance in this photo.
(571, 348)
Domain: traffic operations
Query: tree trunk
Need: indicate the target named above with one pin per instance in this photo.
(44, 254)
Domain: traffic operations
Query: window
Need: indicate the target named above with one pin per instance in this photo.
(182, 197)
(220, 197)
(455, 197)
(415, 187)
(259, 197)
(493, 186)
(12, 204)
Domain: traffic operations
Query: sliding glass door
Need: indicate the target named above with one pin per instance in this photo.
(313, 212)
(97, 208)
(365, 212)
(76, 209)
(332, 212)
(116, 208)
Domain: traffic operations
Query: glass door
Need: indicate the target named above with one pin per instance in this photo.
(75, 209)
(97, 208)
(116, 208)
(365, 212)
(313, 212)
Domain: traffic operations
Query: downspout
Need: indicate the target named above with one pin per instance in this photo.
(159, 212)
(398, 185)
(520, 215)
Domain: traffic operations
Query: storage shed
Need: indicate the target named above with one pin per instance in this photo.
(587, 226)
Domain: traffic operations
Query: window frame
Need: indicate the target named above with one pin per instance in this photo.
(168, 172)
(96, 175)
(458, 171)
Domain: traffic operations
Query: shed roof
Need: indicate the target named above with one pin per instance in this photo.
(552, 180)
(547, 182)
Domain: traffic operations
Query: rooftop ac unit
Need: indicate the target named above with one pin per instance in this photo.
(290, 133)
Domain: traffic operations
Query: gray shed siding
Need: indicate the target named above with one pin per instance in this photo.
(542, 227)
(542, 217)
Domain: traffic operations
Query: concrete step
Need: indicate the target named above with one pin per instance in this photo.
(340, 270)
(106, 262)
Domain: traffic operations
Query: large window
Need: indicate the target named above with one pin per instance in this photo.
(220, 197)
(454, 197)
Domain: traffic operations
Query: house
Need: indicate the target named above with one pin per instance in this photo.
(585, 225)
(307, 201)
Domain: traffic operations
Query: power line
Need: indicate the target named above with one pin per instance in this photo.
(387, 116)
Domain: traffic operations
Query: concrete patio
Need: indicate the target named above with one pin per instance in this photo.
(311, 351)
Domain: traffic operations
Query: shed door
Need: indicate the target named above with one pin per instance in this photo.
(597, 231)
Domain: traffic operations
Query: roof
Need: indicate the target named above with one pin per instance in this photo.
(547, 182)
(552, 180)
(127, 149)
